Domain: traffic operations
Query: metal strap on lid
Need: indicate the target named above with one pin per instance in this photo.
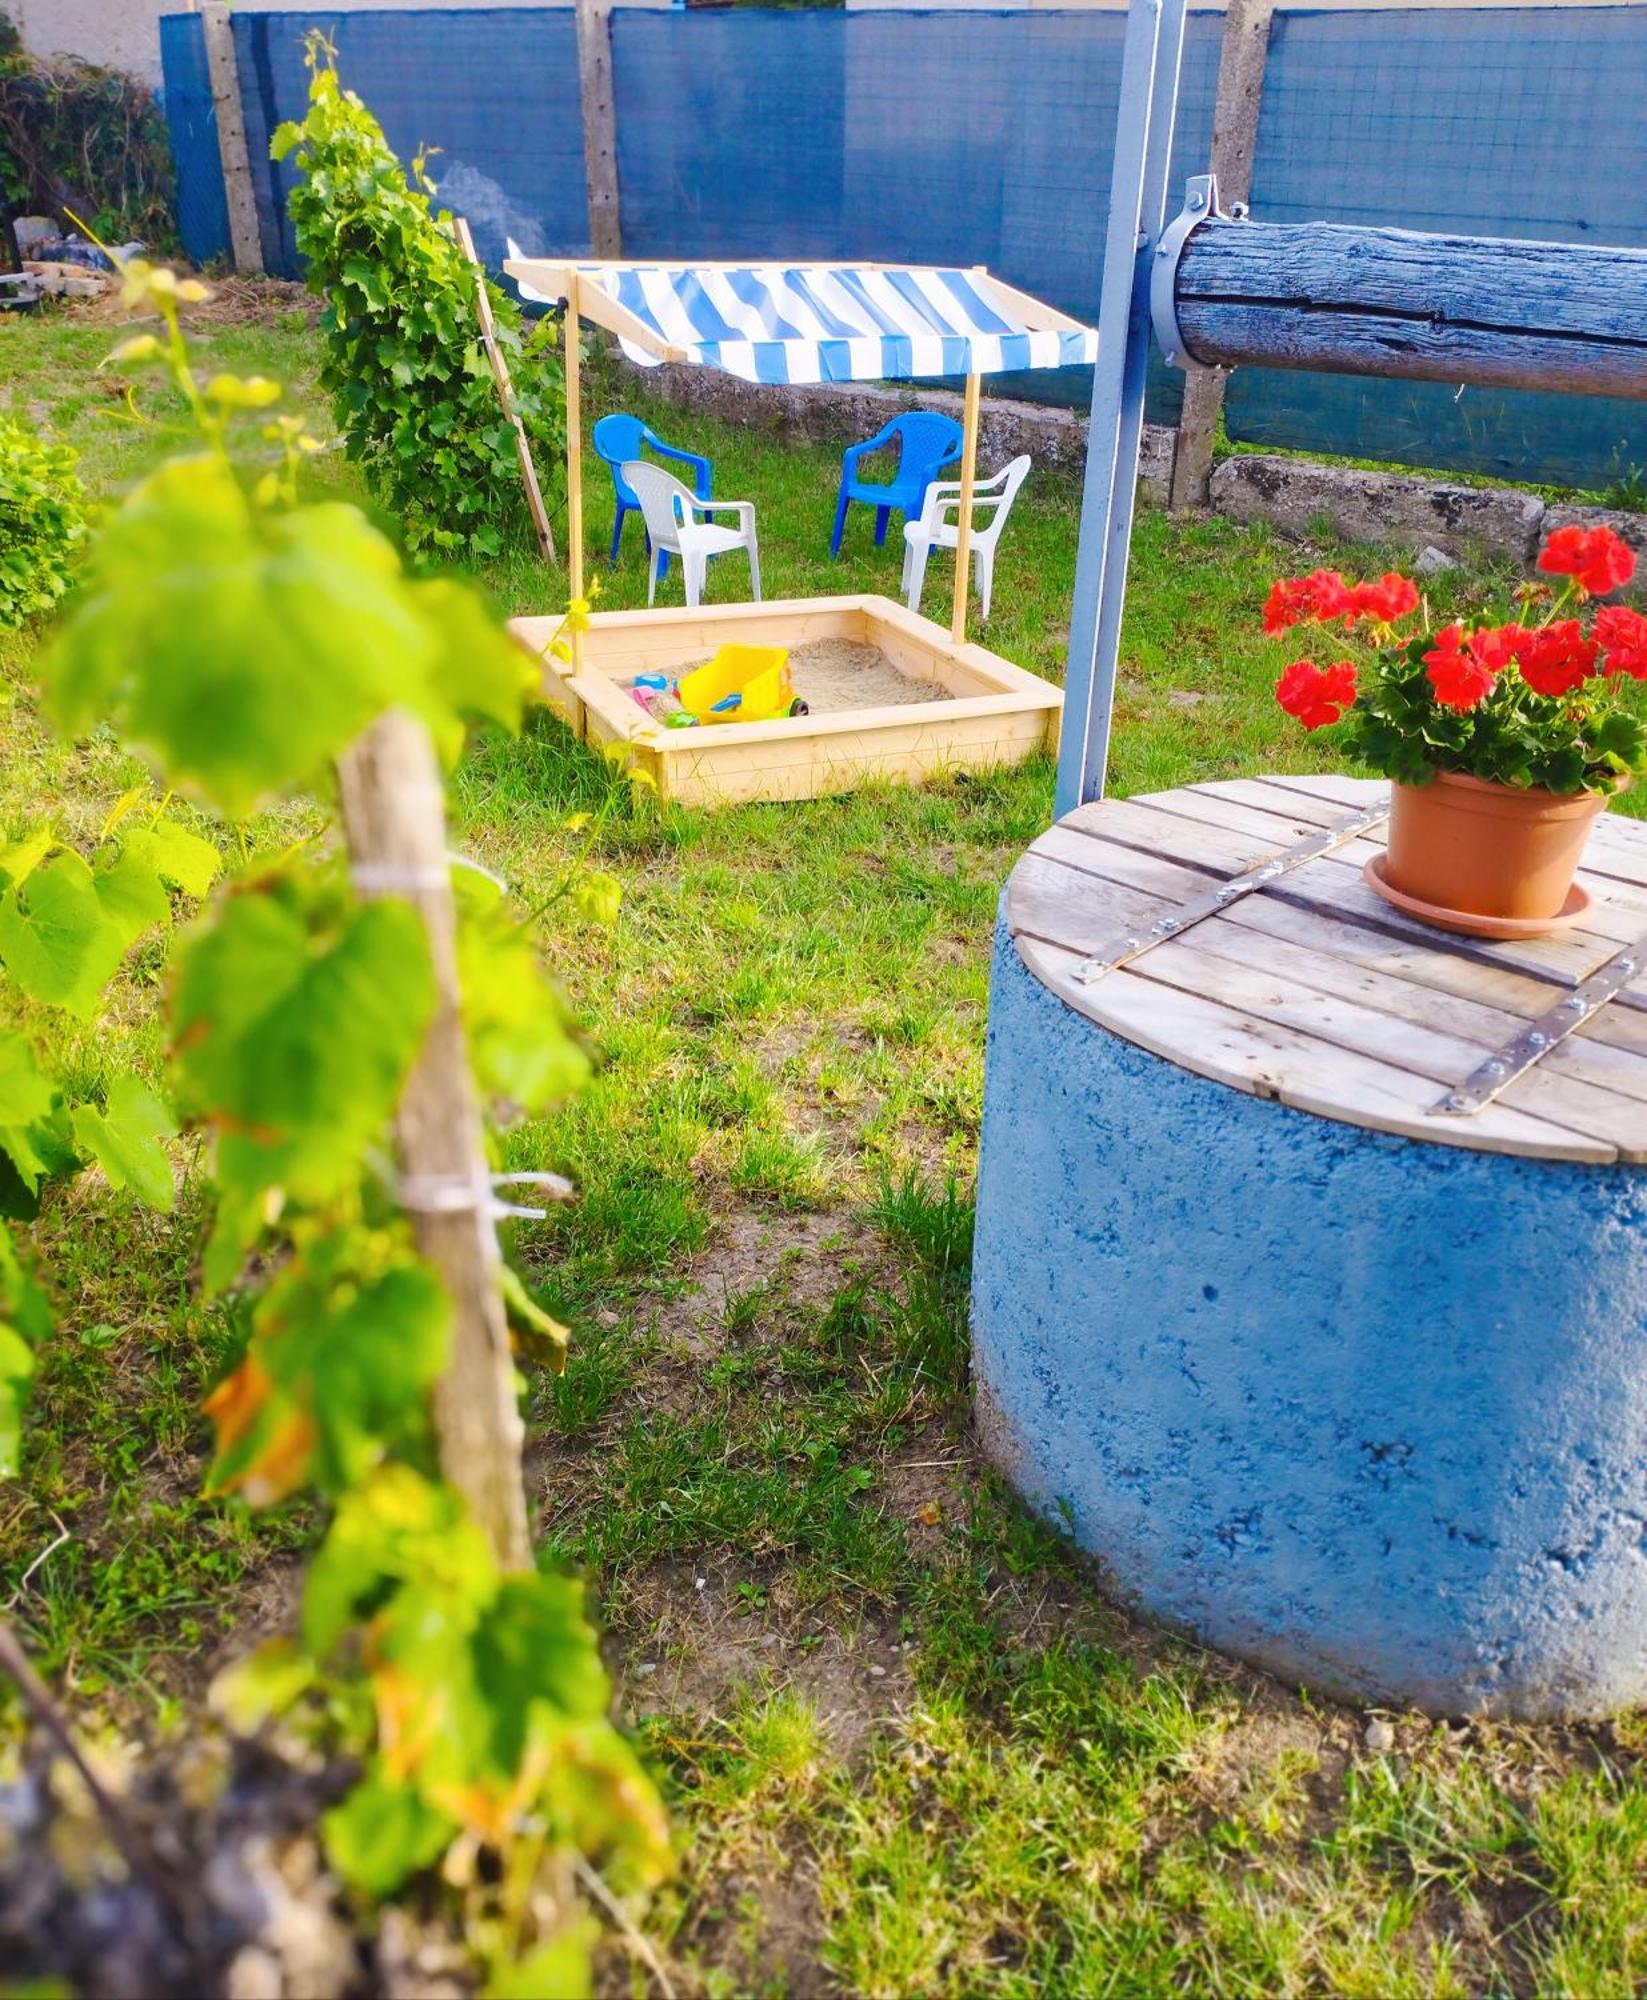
(1133, 944)
(1549, 1031)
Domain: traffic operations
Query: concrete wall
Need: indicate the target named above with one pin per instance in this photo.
(123, 34)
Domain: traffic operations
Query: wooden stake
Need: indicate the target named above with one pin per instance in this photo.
(506, 393)
(574, 459)
(394, 816)
(963, 529)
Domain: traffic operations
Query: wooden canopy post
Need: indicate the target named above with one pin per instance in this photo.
(574, 462)
(963, 526)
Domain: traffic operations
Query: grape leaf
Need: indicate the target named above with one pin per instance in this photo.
(132, 895)
(520, 1039)
(343, 1353)
(393, 1528)
(19, 861)
(25, 1321)
(243, 648)
(383, 1832)
(124, 1139)
(25, 1094)
(295, 1021)
(177, 855)
(57, 939)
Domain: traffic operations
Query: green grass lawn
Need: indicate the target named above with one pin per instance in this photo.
(911, 1748)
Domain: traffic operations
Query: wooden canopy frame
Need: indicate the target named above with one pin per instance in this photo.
(557, 278)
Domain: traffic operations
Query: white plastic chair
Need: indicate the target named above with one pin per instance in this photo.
(671, 513)
(991, 499)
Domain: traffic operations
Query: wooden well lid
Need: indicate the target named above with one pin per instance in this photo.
(1316, 992)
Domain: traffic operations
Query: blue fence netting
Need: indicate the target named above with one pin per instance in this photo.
(1494, 123)
(978, 137)
(191, 118)
(489, 94)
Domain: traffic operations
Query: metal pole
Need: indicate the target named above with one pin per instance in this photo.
(1137, 208)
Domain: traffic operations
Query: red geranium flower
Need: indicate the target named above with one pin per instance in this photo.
(1391, 597)
(1556, 659)
(1317, 696)
(1622, 635)
(1594, 557)
(1461, 676)
(1321, 595)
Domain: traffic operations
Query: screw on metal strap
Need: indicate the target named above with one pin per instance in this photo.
(1539, 1037)
(1200, 205)
(1133, 944)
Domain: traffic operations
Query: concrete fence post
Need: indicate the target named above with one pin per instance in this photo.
(600, 126)
(245, 238)
(1241, 65)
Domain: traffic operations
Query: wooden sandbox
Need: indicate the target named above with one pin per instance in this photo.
(984, 711)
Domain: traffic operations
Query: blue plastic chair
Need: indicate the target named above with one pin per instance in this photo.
(619, 438)
(926, 442)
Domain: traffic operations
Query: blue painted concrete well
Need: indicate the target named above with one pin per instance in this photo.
(1367, 1412)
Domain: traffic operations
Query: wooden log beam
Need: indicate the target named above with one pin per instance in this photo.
(1362, 301)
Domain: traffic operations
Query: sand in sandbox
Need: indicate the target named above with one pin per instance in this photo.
(835, 674)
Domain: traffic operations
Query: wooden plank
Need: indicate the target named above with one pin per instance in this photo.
(1605, 1089)
(1392, 302)
(554, 278)
(506, 393)
(1242, 59)
(600, 126)
(1255, 1056)
(1320, 1016)
(245, 237)
(1422, 957)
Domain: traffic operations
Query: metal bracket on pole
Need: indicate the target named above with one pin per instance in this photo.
(1200, 205)
(1150, 62)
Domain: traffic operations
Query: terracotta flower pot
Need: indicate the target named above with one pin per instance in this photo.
(1500, 851)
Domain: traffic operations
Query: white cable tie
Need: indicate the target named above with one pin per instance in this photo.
(556, 1186)
(396, 878)
(453, 1194)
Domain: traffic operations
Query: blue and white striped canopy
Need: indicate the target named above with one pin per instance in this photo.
(817, 322)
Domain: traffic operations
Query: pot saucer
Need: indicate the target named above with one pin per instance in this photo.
(1573, 911)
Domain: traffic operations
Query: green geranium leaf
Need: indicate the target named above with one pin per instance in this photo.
(125, 1140)
(25, 1321)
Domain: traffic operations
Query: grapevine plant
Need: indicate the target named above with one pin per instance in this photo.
(240, 640)
(42, 521)
(412, 391)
